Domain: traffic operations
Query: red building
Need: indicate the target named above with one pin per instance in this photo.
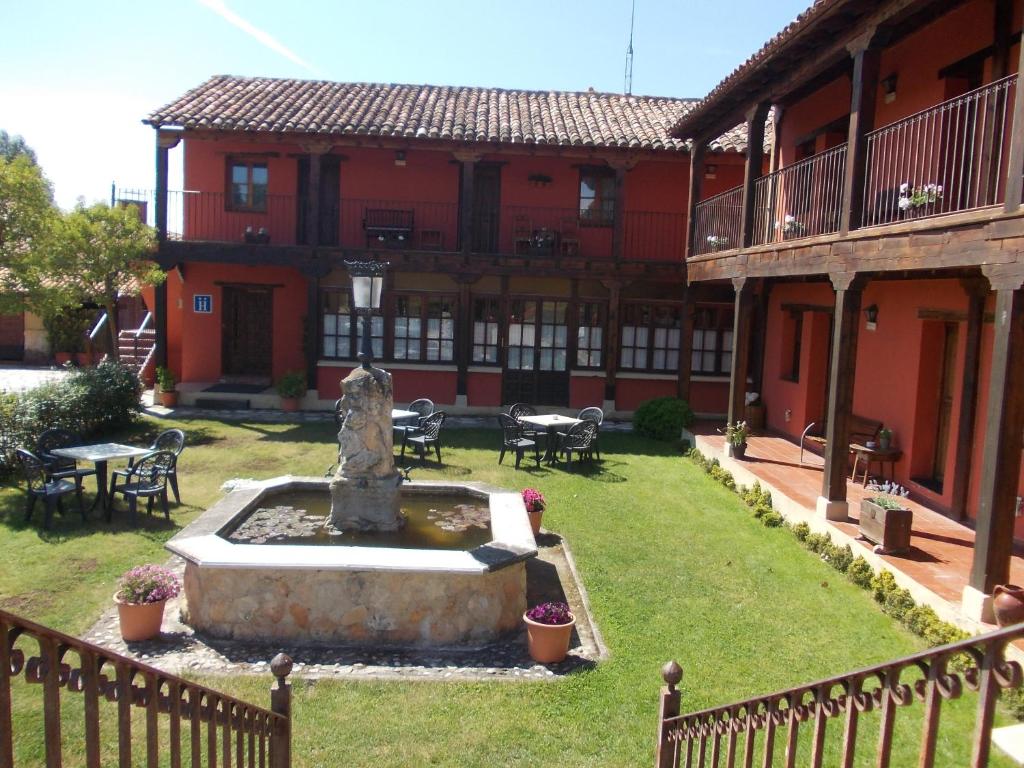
(877, 266)
(535, 241)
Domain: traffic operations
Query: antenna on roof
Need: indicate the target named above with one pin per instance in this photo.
(629, 53)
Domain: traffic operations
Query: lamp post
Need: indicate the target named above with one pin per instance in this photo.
(367, 286)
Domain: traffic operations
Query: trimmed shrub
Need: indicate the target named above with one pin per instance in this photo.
(801, 531)
(662, 418)
(88, 401)
(860, 572)
(772, 519)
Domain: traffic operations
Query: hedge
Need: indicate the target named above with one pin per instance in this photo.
(88, 401)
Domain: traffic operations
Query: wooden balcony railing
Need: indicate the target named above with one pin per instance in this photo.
(947, 158)
(801, 200)
(716, 225)
(722, 736)
(183, 720)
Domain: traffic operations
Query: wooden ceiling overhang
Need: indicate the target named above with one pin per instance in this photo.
(808, 58)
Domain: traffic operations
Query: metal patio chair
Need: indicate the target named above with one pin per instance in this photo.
(579, 440)
(429, 433)
(57, 467)
(512, 439)
(424, 407)
(172, 440)
(147, 479)
(596, 415)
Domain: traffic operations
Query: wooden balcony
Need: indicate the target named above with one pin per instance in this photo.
(942, 167)
(528, 232)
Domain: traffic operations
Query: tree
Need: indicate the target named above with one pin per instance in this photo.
(15, 146)
(102, 253)
(28, 222)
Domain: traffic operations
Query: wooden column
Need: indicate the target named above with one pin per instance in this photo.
(756, 116)
(313, 199)
(686, 345)
(846, 325)
(621, 165)
(1000, 468)
(1015, 161)
(165, 141)
(311, 328)
(464, 333)
(862, 120)
(611, 345)
(740, 347)
(1002, 38)
(758, 336)
(776, 151)
(697, 156)
(469, 161)
(977, 291)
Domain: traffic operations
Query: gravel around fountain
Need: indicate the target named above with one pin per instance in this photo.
(551, 576)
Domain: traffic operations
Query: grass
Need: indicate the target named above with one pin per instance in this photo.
(674, 564)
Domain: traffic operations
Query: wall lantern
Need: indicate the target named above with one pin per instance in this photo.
(889, 88)
(399, 157)
(871, 313)
(710, 171)
(367, 286)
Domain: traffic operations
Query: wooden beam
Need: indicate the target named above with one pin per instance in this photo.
(1002, 38)
(1015, 161)
(742, 311)
(619, 217)
(611, 359)
(463, 348)
(846, 325)
(312, 329)
(466, 207)
(862, 120)
(685, 346)
(313, 199)
(160, 291)
(1000, 468)
(977, 292)
(697, 155)
(756, 117)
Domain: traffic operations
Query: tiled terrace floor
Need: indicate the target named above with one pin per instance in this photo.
(941, 549)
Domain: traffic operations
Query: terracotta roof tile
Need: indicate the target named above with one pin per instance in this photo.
(486, 115)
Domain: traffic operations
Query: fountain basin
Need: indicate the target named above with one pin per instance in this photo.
(354, 595)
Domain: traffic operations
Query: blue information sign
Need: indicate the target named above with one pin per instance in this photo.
(202, 303)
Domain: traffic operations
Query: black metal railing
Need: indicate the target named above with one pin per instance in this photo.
(723, 736)
(183, 720)
(716, 222)
(944, 159)
(801, 200)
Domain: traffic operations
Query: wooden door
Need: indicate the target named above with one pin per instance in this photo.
(12, 337)
(247, 326)
(329, 201)
(944, 416)
(486, 208)
(536, 353)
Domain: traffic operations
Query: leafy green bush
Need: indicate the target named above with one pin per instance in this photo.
(66, 329)
(662, 418)
(801, 531)
(860, 572)
(87, 401)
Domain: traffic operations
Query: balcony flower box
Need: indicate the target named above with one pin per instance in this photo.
(886, 527)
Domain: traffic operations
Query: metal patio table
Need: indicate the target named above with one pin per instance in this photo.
(553, 423)
(99, 454)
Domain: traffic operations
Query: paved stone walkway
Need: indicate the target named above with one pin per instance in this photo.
(18, 378)
(551, 576)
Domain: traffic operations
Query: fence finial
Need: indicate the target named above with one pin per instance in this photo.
(281, 666)
(672, 673)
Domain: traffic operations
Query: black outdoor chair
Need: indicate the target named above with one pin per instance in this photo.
(172, 440)
(517, 411)
(579, 440)
(512, 439)
(147, 479)
(595, 415)
(59, 468)
(424, 408)
(40, 485)
(429, 433)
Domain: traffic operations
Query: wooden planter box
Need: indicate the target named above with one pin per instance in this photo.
(889, 528)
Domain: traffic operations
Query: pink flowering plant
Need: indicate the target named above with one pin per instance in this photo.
(147, 584)
(534, 500)
(550, 613)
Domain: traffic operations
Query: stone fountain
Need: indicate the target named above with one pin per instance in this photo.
(366, 486)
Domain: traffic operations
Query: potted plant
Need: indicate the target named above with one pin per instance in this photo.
(548, 631)
(534, 502)
(884, 439)
(914, 198)
(291, 387)
(1008, 604)
(166, 386)
(736, 439)
(885, 518)
(141, 596)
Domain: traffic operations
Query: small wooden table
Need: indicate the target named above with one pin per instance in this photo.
(553, 423)
(874, 455)
(99, 454)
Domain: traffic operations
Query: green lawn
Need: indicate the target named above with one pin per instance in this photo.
(674, 564)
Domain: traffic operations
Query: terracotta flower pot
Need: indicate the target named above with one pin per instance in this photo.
(140, 621)
(63, 358)
(1008, 604)
(535, 520)
(84, 359)
(168, 399)
(289, 404)
(548, 643)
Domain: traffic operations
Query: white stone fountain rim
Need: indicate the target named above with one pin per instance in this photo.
(201, 542)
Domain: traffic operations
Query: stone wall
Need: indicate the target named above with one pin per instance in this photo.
(394, 608)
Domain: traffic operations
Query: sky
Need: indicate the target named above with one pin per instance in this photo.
(77, 78)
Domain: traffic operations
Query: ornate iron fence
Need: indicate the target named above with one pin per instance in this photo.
(944, 159)
(801, 200)
(182, 719)
(724, 735)
(716, 222)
